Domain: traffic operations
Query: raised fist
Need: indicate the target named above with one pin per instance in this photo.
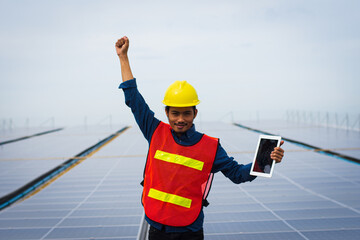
(122, 46)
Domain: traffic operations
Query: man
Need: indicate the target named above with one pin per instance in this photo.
(181, 161)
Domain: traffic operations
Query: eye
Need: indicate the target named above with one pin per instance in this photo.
(187, 113)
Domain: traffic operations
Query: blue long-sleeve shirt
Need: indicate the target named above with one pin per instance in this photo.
(147, 122)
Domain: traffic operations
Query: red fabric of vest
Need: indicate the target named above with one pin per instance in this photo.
(174, 179)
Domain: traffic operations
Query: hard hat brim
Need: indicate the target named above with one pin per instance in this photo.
(180, 105)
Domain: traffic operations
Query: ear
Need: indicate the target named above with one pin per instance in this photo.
(196, 111)
(167, 113)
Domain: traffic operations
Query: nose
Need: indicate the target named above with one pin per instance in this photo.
(181, 118)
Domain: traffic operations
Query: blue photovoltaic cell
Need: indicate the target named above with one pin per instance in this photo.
(235, 216)
(313, 213)
(333, 235)
(33, 233)
(33, 214)
(100, 221)
(247, 227)
(301, 205)
(28, 223)
(93, 232)
(234, 207)
(326, 223)
(257, 236)
(47, 206)
(107, 212)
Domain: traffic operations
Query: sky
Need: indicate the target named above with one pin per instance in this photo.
(245, 58)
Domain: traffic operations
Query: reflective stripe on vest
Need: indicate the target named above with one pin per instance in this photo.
(178, 159)
(169, 198)
(177, 178)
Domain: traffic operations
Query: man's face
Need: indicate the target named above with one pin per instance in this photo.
(181, 118)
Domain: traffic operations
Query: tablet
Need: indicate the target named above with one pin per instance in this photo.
(263, 165)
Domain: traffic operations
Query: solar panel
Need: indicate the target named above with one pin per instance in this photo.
(23, 161)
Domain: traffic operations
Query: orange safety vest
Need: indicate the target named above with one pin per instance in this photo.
(177, 178)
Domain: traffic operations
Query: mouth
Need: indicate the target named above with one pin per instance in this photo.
(180, 125)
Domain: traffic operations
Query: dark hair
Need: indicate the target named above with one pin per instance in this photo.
(167, 108)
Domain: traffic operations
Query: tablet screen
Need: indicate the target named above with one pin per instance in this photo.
(263, 165)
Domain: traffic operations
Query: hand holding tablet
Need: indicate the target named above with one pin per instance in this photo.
(263, 165)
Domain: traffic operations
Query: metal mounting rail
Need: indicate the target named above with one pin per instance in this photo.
(34, 135)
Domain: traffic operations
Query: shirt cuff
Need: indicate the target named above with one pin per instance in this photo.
(251, 177)
(128, 84)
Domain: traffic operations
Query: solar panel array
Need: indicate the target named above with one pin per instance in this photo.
(94, 199)
(22, 161)
(339, 140)
(310, 196)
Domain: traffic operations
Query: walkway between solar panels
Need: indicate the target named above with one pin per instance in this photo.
(143, 229)
(47, 178)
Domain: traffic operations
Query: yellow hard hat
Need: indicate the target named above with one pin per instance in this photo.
(181, 94)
